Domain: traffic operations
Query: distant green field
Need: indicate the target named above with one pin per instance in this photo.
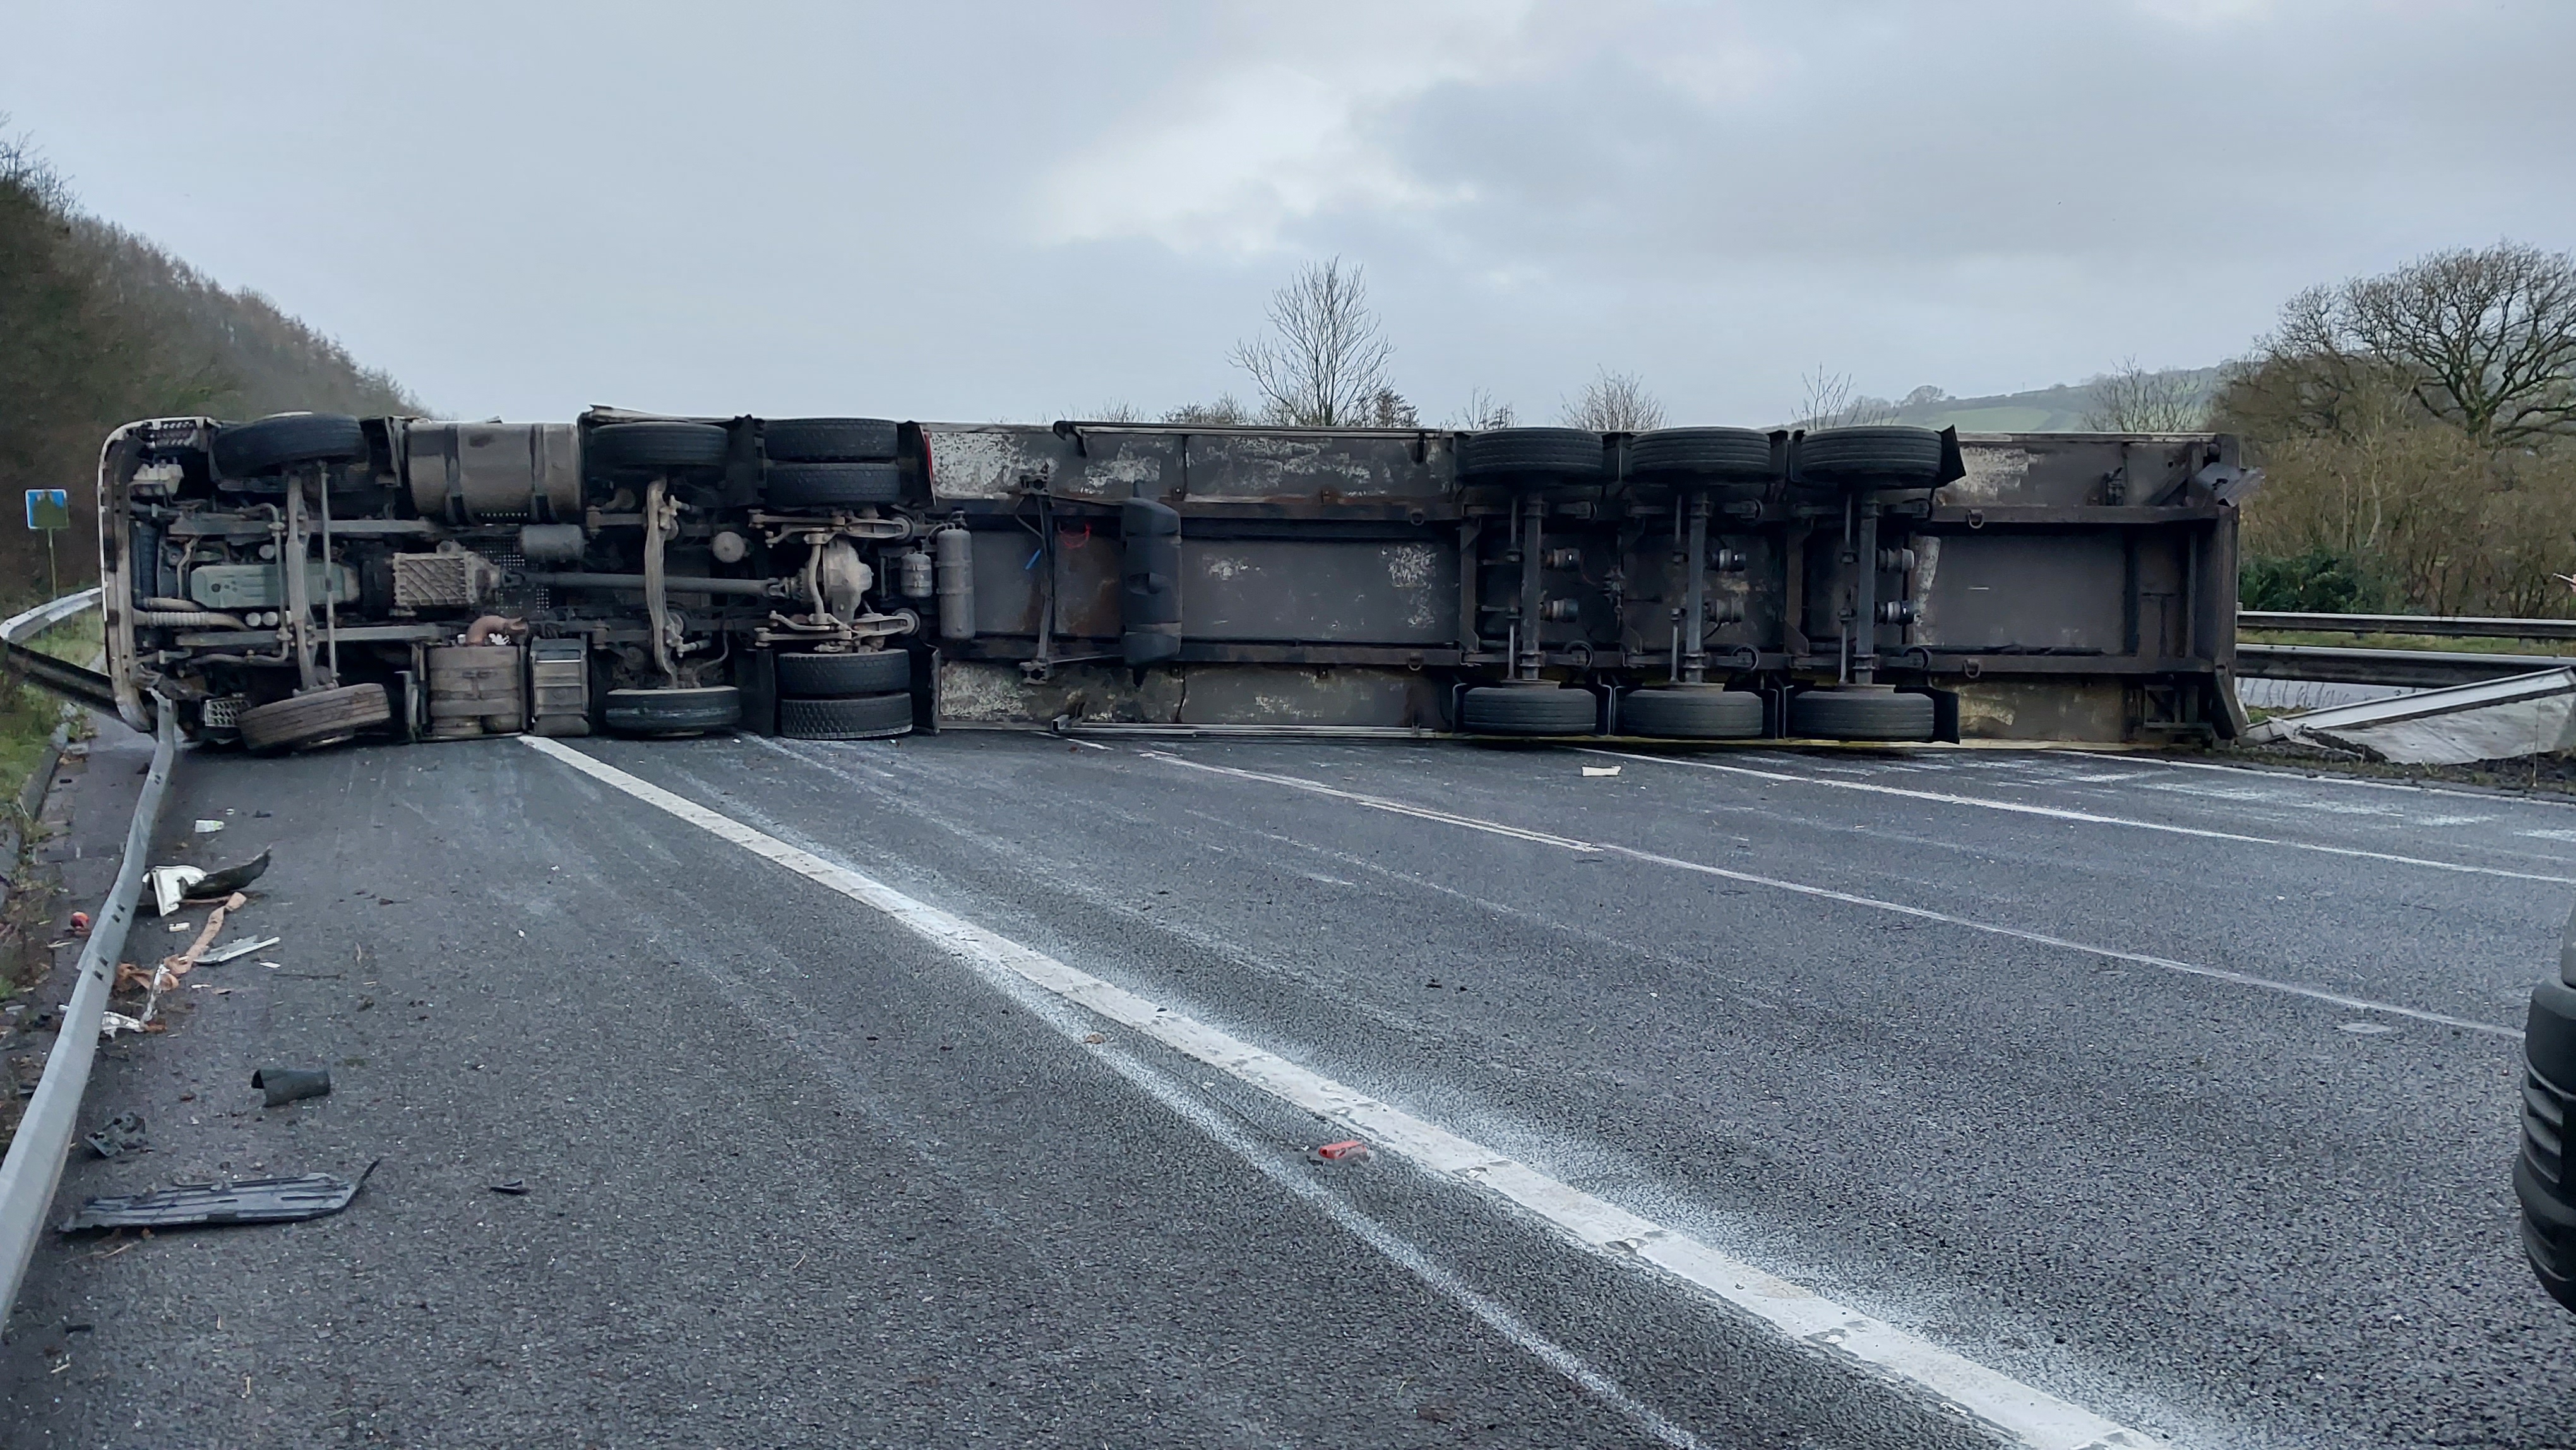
(2058, 409)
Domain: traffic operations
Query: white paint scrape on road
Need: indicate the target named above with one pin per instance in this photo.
(2024, 1415)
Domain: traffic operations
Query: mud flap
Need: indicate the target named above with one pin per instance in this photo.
(1149, 588)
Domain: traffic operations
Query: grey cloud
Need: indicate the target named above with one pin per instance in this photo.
(527, 208)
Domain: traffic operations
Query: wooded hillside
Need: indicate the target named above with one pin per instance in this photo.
(99, 327)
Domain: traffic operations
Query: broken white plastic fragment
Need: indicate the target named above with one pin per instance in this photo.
(208, 827)
(1600, 770)
(170, 886)
(112, 1023)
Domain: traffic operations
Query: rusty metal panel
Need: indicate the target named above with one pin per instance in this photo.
(1233, 694)
(2021, 592)
(1354, 591)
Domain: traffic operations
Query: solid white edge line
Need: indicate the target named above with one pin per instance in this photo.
(2028, 1416)
(2060, 813)
(1919, 913)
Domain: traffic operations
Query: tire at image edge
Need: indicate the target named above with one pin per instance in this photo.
(302, 719)
(832, 677)
(1688, 714)
(1524, 710)
(857, 718)
(655, 712)
(1855, 715)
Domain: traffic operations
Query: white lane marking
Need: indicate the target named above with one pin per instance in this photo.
(2549, 835)
(2058, 813)
(1076, 1026)
(2190, 969)
(2029, 1416)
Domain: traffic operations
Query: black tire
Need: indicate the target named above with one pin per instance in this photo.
(656, 446)
(673, 712)
(1532, 452)
(832, 677)
(1719, 455)
(815, 485)
(1687, 713)
(829, 440)
(863, 717)
(1889, 456)
(272, 443)
(1529, 710)
(320, 718)
(1860, 714)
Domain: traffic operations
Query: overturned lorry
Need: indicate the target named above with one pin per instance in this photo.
(305, 578)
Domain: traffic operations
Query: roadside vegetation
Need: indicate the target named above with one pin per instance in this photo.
(99, 327)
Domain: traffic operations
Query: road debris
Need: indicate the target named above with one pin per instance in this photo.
(231, 879)
(169, 886)
(207, 827)
(112, 1023)
(80, 924)
(1600, 770)
(287, 1084)
(250, 1200)
(237, 949)
(118, 1135)
(515, 1187)
(1349, 1150)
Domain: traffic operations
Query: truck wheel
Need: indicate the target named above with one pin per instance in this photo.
(812, 485)
(1889, 456)
(829, 440)
(284, 439)
(1860, 713)
(658, 445)
(832, 677)
(673, 712)
(1521, 452)
(1720, 455)
(864, 717)
(324, 717)
(1528, 710)
(1686, 713)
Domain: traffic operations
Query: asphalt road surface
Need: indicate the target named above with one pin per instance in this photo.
(965, 1090)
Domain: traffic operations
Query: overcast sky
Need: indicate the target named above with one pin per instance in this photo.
(978, 210)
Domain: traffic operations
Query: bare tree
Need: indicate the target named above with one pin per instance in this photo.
(2130, 399)
(1831, 403)
(2482, 340)
(1482, 412)
(1387, 408)
(1326, 362)
(1615, 403)
(1226, 412)
(1116, 411)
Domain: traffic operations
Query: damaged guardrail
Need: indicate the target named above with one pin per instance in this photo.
(34, 1166)
(85, 687)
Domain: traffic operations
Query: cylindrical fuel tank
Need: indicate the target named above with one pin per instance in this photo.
(477, 689)
(493, 473)
(955, 550)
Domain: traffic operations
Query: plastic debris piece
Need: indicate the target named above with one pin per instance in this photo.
(514, 1187)
(231, 879)
(169, 885)
(287, 1084)
(250, 1200)
(1600, 770)
(120, 1134)
(237, 949)
(80, 923)
(207, 827)
(1349, 1150)
(112, 1023)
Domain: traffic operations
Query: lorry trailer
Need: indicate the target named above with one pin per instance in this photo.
(297, 580)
